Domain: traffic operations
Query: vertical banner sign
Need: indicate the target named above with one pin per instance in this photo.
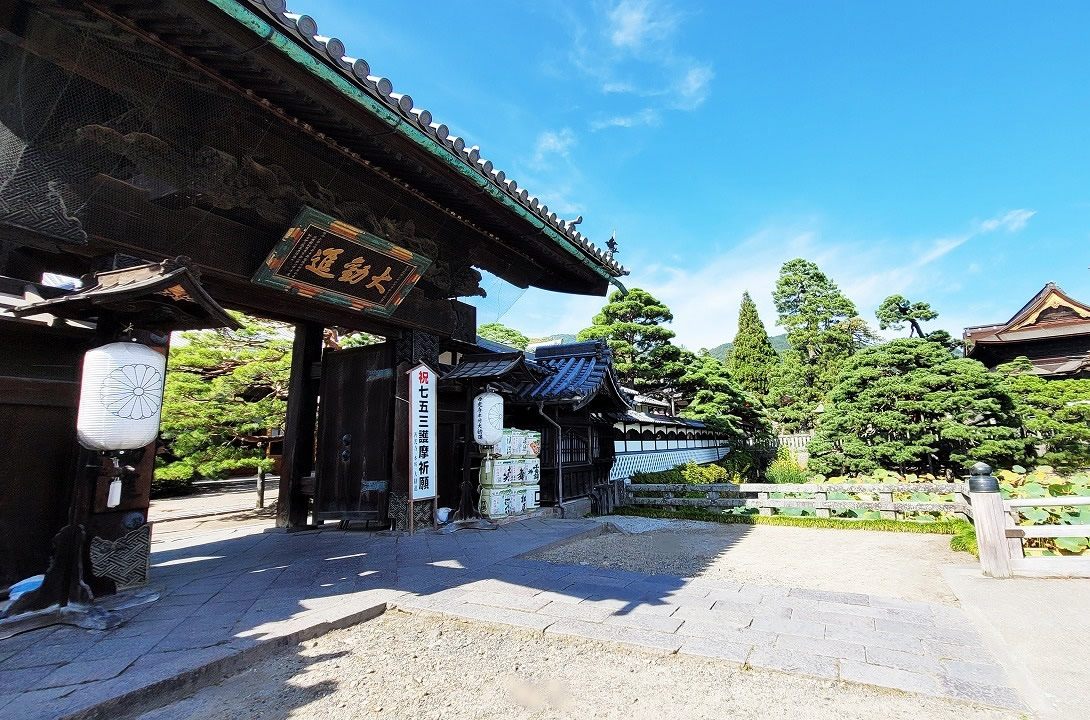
(423, 406)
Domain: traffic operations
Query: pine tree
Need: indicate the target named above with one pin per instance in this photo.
(222, 386)
(792, 399)
(717, 401)
(910, 406)
(498, 332)
(751, 356)
(823, 331)
(644, 357)
(1054, 414)
(895, 311)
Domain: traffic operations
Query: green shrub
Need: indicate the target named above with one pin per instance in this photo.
(784, 469)
(964, 539)
(688, 474)
(742, 466)
(939, 527)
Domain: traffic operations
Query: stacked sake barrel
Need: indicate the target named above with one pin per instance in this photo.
(511, 475)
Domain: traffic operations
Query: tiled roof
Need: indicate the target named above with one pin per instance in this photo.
(633, 416)
(510, 367)
(166, 295)
(580, 372)
(332, 50)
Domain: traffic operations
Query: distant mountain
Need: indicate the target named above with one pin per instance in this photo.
(564, 339)
(778, 341)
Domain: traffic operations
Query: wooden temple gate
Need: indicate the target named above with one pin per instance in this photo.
(232, 133)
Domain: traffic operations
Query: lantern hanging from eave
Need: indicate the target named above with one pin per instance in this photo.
(121, 396)
(487, 418)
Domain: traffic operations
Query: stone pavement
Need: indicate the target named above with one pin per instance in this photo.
(215, 497)
(914, 647)
(1040, 630)
(231, 597)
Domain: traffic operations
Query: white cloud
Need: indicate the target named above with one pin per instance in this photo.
(553, 143)
(634, 22)
(1013, 221)
(633, 48)
(694, 86)
(647, 116)
(941, 247)
(705, 297)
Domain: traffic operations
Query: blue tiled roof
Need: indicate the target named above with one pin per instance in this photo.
(580, 372)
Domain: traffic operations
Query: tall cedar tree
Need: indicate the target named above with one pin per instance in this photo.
(222, 386)
(1055, 414)
(895, 311)
(643, 356)
(823, 331)
(909, 405)
(498, 332)
(719, 402)
(752, 356)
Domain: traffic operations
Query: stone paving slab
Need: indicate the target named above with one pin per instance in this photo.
(231, 597)
(887, 642)
(236, 597)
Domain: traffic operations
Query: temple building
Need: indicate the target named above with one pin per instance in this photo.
(184, 157)
(1052, 330)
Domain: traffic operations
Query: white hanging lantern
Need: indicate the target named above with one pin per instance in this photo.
(120, 397)
(487, 418)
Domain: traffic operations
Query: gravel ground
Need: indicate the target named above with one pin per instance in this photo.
(414, 667)
(902, 565)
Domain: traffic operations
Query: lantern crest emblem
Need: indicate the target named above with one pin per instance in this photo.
(133, 391)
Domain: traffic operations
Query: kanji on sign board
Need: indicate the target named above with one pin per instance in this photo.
(423, 406)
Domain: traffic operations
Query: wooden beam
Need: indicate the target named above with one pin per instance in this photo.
(1069, 567)
(302, 413)
(1048, 531)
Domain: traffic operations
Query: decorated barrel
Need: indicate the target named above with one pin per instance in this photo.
(494, 502)
(533, 443)
(518, 499)
(531, 471)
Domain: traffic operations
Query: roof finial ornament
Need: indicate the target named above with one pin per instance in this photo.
(612, 243)
(576, 221)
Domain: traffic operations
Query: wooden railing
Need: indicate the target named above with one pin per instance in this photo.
(730, 495)
(999, 536)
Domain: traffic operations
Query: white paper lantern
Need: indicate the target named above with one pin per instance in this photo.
(487, 418)
(120, 396)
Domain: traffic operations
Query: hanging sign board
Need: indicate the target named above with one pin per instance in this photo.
(325, 259)
(423, 406)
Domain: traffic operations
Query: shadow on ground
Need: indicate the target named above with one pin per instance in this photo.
(230, 596)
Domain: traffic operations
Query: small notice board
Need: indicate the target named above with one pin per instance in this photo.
(423, 408)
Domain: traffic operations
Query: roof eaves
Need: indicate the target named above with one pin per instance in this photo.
(377, 95)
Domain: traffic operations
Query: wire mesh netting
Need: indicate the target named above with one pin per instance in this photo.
(105, 135)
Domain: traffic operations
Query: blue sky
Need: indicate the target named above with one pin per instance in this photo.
(938, 150)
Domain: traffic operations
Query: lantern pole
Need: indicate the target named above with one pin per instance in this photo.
(63, 584)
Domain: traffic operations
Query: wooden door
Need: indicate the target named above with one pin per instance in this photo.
(355, 434)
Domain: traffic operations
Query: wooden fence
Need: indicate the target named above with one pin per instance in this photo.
(731, 495)
(999, 536)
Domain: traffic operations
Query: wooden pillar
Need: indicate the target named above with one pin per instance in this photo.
(990, 520)
(299, 426)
